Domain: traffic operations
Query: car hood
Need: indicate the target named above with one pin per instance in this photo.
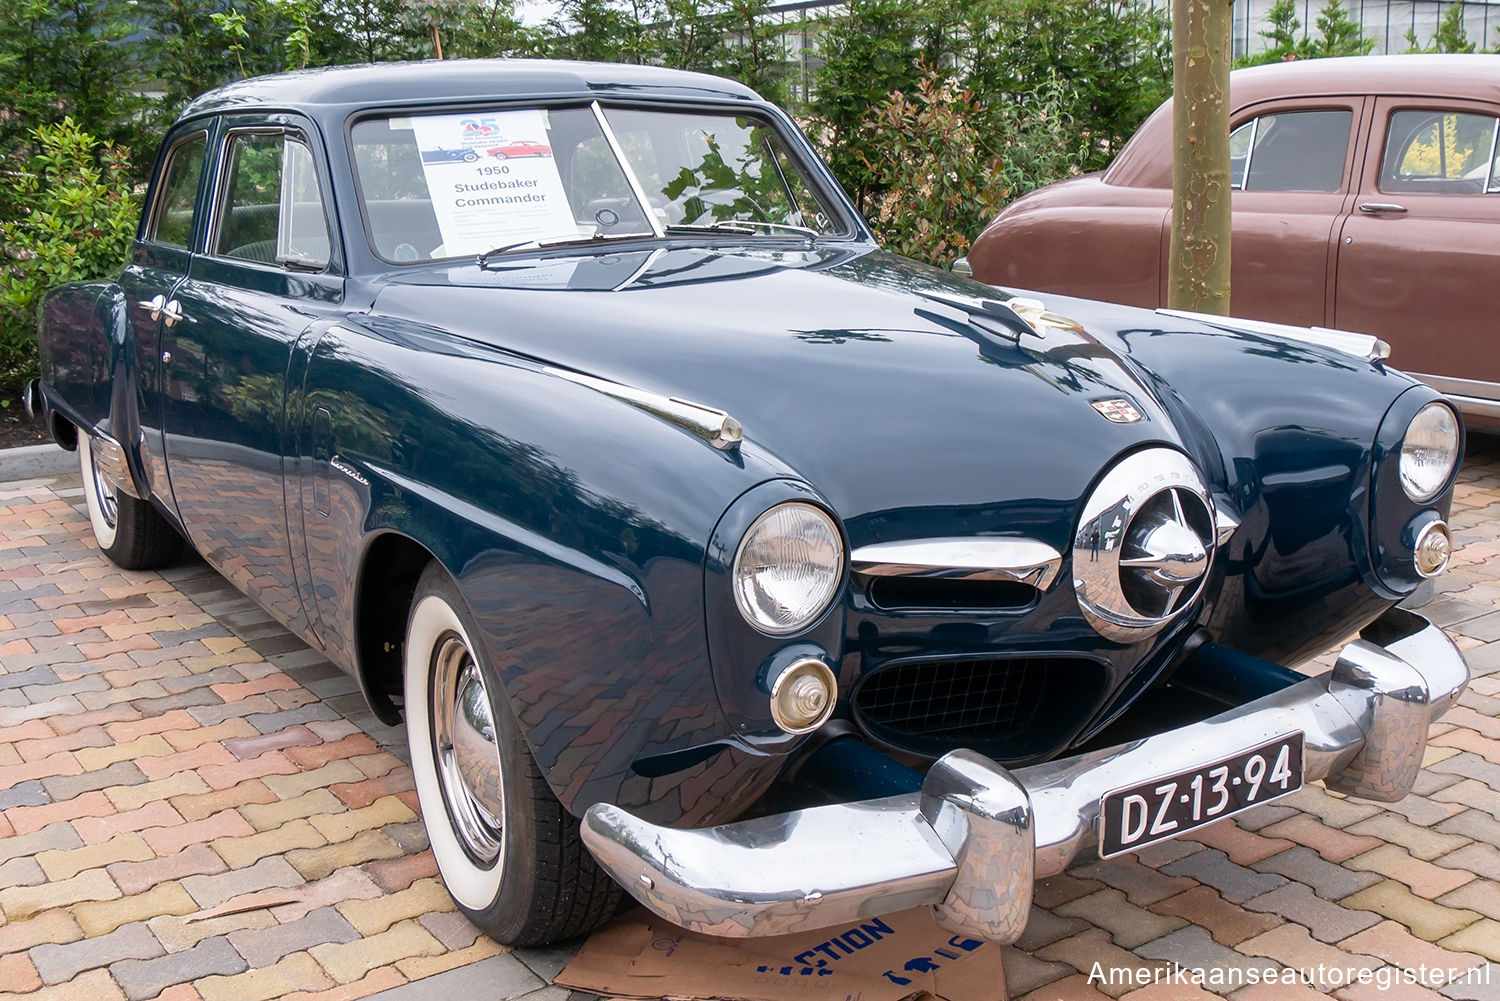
(859, 371)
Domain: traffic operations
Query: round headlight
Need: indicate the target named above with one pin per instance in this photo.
(1429, 452)
(788, 568)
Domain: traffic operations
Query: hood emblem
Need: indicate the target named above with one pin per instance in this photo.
(1117, 411)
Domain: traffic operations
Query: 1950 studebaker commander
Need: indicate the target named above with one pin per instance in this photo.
(648, 491)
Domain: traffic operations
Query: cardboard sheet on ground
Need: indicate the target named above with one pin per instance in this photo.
(893, 958)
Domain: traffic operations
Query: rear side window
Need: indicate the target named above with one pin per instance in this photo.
(1291, 151)
(176, 210)
(1442, 152)
(273, 208)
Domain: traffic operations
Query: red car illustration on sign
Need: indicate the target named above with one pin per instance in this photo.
(524, 147)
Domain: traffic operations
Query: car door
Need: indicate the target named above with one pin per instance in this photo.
(159, 262)
(270, 269)
(1420, 254)
(1291, 166)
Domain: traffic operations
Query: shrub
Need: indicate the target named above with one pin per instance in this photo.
(75, 221)
(947, 164)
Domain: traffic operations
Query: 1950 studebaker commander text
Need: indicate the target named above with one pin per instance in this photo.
(649, 492)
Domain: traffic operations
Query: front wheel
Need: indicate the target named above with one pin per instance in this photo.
(129, 530)
(509, 854)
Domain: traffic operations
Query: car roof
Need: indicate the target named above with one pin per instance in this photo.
(458, 81)
(1418, 74)
(1423, 75)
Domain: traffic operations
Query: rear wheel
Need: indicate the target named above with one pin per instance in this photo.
(131, 532)
(510, 855)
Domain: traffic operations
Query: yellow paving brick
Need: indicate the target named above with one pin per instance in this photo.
(56, 927)
(94, 758)
(251, 848)
(176, 932)
(264, 816)
(1482, 937)
(292, 786)
(338, 827)
(352, 960)
(166, 623)
(367, 846)
(1425, 919)
(297, 972)
(370, 917)
(104, 917)
(186, 740)
(20, 902)
(66, 864)
(134, 797)
(417, 967)
(95, 985)
(223, 644)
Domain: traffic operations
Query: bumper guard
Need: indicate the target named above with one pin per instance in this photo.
(977, 836)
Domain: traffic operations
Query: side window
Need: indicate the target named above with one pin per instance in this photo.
(1447, 152)
(1291, 151)
(175, 211)
(272, 209)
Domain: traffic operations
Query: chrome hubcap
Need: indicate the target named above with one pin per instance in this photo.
(468, 757)
(104, 493)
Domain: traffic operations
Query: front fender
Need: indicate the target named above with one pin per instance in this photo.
(575, 526)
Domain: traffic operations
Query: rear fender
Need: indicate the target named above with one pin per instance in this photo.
(88, 367)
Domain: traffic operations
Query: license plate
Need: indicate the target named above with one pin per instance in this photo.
(1166, 807)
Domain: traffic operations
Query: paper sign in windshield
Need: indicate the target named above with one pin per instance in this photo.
(493, 180)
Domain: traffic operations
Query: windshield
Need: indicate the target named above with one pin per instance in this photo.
(455, 185)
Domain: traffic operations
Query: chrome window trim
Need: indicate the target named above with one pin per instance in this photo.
(1025, 561)
(1254, 124)
(630, 178)
(1493, 184)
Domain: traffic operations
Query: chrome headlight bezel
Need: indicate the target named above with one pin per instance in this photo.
(1431, 436)
(791, 523)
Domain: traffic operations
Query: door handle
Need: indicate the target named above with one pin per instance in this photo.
(173, 314)
(153, 306)
(1376, 208)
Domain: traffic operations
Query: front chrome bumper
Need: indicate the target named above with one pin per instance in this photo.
(977, 836)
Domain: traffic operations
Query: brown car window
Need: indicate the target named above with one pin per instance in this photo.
(1443, 152)
(173, 223)
(272, 208)
(1291, 151)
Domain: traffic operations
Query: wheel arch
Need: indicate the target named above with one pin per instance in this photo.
(385, 584)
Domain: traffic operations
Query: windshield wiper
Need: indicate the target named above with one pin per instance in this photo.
(567, 241)
(746, 226)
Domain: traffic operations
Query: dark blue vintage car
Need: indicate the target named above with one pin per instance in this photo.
(650, 493)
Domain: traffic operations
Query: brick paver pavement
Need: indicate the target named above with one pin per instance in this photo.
(194, 806)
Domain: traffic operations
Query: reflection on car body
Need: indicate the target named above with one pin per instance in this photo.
(1367, 198)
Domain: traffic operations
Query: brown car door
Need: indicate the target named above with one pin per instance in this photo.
(1419, 255)
(1291, 168)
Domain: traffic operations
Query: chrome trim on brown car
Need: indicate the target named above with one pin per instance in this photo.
(1471, 396)
(1024, 561)
(973, 841)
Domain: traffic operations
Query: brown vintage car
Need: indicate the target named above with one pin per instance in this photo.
(1367, 198)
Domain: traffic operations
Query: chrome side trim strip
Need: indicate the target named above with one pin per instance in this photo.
(962, 843)
(716, 427)
(1471, 396)
(1026, 561)
(1362, 346)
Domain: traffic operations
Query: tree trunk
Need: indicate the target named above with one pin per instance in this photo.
(1198, 265)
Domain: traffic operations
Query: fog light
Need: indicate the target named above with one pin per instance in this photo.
(1433, 550)
(803, 696)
